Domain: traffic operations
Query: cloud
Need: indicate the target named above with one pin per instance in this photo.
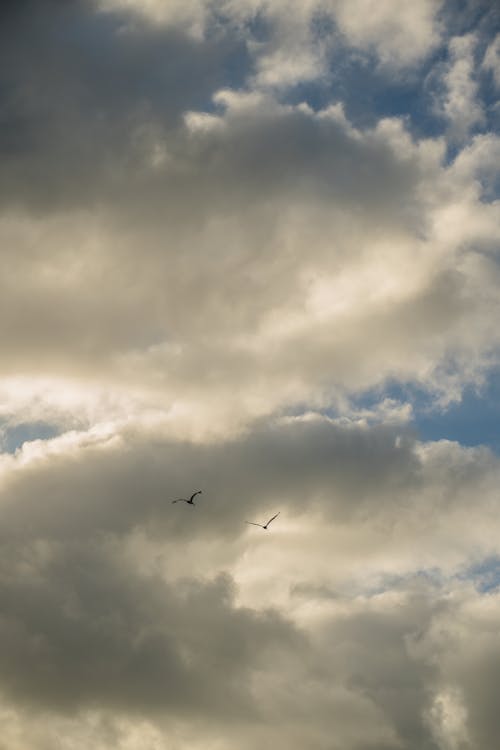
(275, 179)
(401, 34)
(114, 601)
(291, 42)
(462, 106)
(382, 670)
(81, 121)
(371, 485)
(208, 195)
(76, 635)
(218, 275)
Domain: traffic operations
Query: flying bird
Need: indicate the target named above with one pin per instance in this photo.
(264, 526)
(190, 501)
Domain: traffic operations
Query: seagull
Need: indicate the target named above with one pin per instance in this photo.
(190, 501)
(265, 525)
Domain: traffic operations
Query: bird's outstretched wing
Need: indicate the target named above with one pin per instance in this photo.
(272, 519)
(180, 500)
(255, 524)
(198, 492)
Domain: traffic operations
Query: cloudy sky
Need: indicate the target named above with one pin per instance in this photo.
(249, 247)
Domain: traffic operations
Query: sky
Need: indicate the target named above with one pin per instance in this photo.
(252, 248)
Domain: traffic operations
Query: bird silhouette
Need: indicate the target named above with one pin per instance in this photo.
(190, 501)
(264, 526)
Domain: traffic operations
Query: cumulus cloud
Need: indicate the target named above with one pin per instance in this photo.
(215, 277)
(401, 34)
(116, 602)
(390, 245)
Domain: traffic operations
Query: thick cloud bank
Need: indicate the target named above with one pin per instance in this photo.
(237, 239)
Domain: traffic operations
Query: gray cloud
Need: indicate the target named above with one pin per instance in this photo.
(113, 599)
(151, 212)
(88, 626)
(197, 270)
(346, 472)
(81, 629)
(80, 91)
(199, 306)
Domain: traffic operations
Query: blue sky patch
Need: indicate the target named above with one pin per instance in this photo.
(485, 574)
(475, 420)
(12, 438)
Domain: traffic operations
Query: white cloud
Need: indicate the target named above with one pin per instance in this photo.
(448, 719)
(461, 106)
(402, 34)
